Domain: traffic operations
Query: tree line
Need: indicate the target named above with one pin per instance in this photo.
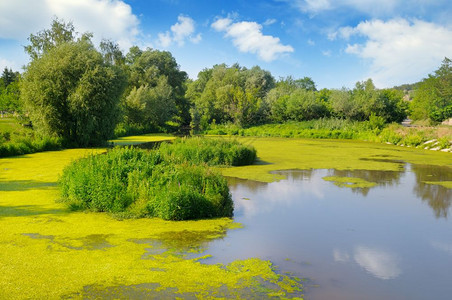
(85, 95)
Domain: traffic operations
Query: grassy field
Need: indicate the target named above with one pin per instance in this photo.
(9, 125)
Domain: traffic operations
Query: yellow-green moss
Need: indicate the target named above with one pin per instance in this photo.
(140, 139)
(48, 252)
(350, 182)
(290, 153)
(446, 184)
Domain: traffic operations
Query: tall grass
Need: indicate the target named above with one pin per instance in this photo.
(17, 140)
(326, 128)
(172, 183)
(210, 151)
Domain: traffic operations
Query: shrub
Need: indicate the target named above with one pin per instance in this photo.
(171, 183)
(210, 151)
(19, 145)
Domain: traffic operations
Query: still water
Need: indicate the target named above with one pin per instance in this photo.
(389, 241)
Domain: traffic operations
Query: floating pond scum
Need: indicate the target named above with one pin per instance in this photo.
(47, 251)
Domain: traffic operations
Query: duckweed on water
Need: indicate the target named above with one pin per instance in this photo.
(350, 182)
(48, 252)
(290, 153)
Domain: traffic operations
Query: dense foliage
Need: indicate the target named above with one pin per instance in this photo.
(82, 95)
(433, 98)
(9, 92)
(17, 140)
(229, 94)
(212, 152)
(372, 130)
(69, 90)
(156, 90)
(162, 183)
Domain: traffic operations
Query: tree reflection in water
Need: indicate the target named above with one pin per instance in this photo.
(438, 197)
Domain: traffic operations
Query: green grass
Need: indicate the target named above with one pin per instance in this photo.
(9, 125)
(17, 140)
(210, 151)
(343, 129)
(140, 139)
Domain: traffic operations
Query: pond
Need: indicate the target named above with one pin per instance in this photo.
(386, 237)
(353, 220)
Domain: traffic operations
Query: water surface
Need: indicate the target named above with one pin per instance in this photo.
(392, 240)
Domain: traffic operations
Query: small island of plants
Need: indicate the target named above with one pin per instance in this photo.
(174, 182)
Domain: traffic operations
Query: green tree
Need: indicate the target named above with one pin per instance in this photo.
(151, 105)
(147, 68)
(9, 91)
(8, 77)
(45, 40)
(392, 107)
(229, 94)
(72, 93)
(433, 97)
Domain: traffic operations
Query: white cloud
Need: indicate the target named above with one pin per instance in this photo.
(269, 22)
(222, 24)
(400, 51)
(4, 63)
(311, 42)
(326, 53)
(180, 32)
(369, 7)
(248, 38)
(164, 39)
(111, 19)
(381, 264)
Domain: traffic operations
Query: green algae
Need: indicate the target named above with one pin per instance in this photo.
(288, 154)
(140, 139)
(48, 252)
(446, 184)
(350, 182)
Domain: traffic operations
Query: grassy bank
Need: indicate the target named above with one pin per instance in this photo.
(18, 140)
(424, 137)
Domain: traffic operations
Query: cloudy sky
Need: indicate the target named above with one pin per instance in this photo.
(335, 42)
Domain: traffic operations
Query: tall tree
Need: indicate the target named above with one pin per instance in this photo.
(69, 90)
(59, 33)
(148, 67)
(433, 97)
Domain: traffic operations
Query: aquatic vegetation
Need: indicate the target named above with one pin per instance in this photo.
(331, 128)
(139, 183)
(288, 154)
(350, 182)
(47, 251)
(211, 151)
(140, 139)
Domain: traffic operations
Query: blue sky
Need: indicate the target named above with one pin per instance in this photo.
(335, 42)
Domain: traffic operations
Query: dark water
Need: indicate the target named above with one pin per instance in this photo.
(390, 241)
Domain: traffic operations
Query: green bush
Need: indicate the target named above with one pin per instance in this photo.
(169, 183)
(19, 145)
(211, 151)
